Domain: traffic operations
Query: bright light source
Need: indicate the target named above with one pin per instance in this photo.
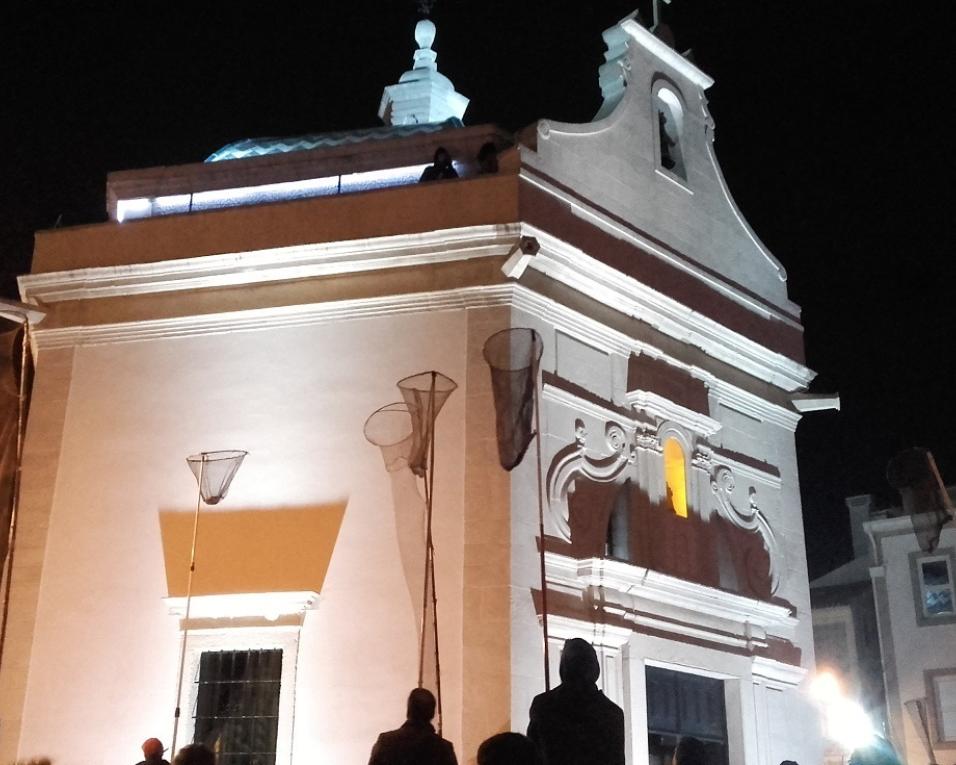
(849, 725)
(825, 688)
(132, 208)
(216, 199)
(845, 720)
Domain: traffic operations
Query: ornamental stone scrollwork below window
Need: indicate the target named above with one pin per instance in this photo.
(574, 461)
(620, 482)
(749, 519)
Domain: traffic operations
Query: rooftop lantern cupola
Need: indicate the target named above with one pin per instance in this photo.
(422, 95)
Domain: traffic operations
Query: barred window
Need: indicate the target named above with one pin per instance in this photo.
(237, 705)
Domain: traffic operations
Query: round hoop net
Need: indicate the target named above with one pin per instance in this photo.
(390, 429)
(513, 356)
(425, 394)
(214, 471)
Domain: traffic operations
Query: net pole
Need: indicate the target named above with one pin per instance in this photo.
(431, 545)
(7, 574)
(428, 537)
(189, 595)
(544, 581)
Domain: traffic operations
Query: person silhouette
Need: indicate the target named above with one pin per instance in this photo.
(508, 749)
(416, 742)
(440, 168)
(487, 159)
(194, 754)
(575, 723)
(153, 752)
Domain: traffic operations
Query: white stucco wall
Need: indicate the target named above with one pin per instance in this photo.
(103, 668)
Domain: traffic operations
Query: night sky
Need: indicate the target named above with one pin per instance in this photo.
(831, 132)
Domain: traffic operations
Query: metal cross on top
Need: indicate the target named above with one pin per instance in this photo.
(657, 11)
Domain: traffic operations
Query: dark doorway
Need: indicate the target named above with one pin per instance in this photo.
(683, 704)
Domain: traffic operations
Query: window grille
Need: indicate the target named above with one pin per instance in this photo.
(237, 705)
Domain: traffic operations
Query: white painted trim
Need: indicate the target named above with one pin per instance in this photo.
(653, 600)
(626, 234)
(753, 406)
(522, 298)
(608, 286)
(658, 406)
(275, 317)
(777, 673)
(274, 264)
(661, 50)
(240, 605)
(561, 628)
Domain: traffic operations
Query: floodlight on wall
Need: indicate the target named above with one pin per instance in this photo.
(214, 472)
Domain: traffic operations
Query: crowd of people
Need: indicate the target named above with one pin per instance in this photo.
(572, 724)
(443, 168)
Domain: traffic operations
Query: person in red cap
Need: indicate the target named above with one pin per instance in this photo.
(153, 752)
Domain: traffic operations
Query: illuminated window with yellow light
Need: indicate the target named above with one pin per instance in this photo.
(675, 476)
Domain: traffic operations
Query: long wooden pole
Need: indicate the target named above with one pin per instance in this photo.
(431, 549)
(544, 580)
(7, 573)
(189, 595)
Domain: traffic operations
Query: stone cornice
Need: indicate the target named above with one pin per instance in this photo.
(658, 406)
(570, 266)
(655, 601)
(270, 605)
(217, 271)
(262, 266)
(273, 317)
(752, 405)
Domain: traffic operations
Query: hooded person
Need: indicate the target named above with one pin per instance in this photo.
(575, 723)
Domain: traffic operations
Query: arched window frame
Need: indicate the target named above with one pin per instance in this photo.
(666, 98)
(671, 432)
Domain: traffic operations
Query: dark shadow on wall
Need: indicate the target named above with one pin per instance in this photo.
(621, 521)
(241, 551)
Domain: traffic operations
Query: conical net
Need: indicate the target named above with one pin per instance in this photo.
(513, 356)
(425, 394)
(214, 471)
(914, 474)
(391, 430)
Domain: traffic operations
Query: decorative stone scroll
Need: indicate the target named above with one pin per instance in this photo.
(574, 461)
(751, 519)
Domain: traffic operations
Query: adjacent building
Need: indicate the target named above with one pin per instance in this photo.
(270, 298)
(886, 623)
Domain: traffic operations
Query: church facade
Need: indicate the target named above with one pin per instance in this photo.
(270, 299)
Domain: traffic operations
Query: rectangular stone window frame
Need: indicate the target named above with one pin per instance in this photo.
(917, 558)
(941, 698)
(284, 638)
